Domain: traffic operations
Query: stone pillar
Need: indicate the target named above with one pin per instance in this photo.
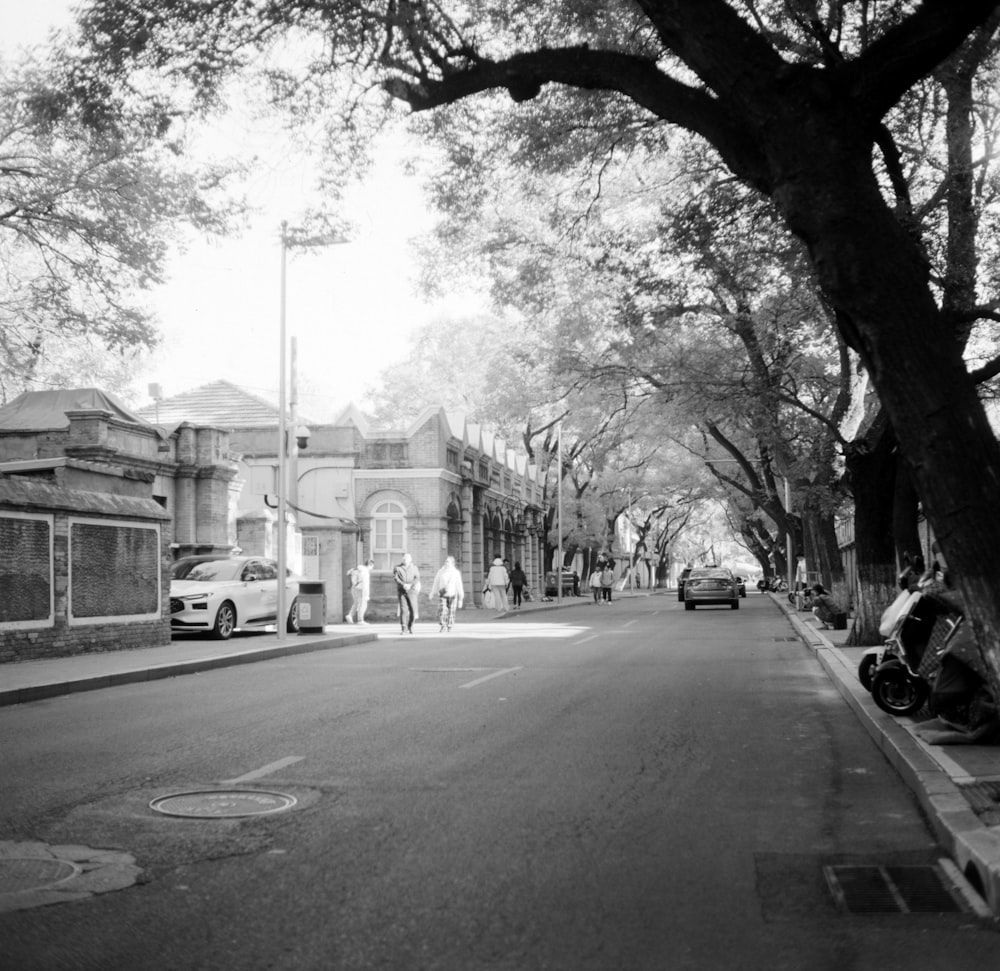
(254, 531)
(469, 581)
(184, 508)
(476, 557)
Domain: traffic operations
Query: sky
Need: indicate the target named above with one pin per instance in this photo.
(351, 307)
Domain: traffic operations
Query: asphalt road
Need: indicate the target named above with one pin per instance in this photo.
(609, 787)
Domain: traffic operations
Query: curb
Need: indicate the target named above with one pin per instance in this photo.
(170, 669)
(974, 847)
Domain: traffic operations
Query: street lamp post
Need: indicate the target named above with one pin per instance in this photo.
(789, 539)
(631, 546)
(282, 485)
(287, 241)
(559, 515)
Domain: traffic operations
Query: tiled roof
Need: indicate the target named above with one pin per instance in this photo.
(30, 493)
(45, 410)
(220, 403)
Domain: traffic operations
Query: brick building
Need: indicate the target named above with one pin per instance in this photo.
(441, 486)
(93, 499)
(97, 500)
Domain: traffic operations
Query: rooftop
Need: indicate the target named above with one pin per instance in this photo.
(219, 403)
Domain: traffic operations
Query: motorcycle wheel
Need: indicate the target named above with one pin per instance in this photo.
(867, 669)
(897, 692)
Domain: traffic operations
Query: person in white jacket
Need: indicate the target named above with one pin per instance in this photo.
(498, 581)
(449, 588)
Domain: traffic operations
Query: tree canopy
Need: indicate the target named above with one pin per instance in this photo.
(796, 100)
(92, 191)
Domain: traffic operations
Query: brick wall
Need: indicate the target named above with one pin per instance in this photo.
(47, 627)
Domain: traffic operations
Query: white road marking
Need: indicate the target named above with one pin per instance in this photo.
(490, 677)
(591, 637)
(267, 769)
(447, 670)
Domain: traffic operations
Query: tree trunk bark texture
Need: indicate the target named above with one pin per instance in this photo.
(871, 475)
(877, 279)
(877, 589)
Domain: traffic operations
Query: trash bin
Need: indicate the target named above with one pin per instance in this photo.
(312, 606)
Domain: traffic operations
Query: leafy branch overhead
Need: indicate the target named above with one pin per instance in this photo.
(805, 104)
(90, 199)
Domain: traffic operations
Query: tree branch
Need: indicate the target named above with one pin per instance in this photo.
(524, 75)
(912, 49)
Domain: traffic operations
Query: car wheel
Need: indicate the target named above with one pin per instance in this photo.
(292, 626)
(689, 605)
(735, 604)
(225, 622)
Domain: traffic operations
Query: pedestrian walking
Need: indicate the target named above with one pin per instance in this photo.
(595, 584)
(407, 578)
(354, 582)
(499, 580)
(607, 581)
(518, 581)
(449, 588)
(361, 579)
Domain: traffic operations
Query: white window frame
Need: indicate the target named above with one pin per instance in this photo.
(74, 621)
(387, 513)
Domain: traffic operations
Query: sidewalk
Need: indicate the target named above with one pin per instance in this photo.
(958, 786)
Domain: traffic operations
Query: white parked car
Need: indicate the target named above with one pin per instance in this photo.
(218, 594)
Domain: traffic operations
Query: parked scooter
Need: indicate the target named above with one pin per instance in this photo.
(774, 584)
(897, 685)
(934, 660)
(961, 696)
(891, 621)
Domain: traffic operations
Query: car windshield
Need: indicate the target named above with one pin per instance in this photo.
(710, 575)
(206, 570)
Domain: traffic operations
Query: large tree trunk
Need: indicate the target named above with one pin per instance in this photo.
(819, 540)
(905, 514)
(871, 466)
(877, 279)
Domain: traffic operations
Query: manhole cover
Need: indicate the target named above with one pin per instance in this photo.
(17, 875)
(216, 803)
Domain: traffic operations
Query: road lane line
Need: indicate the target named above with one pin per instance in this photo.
(447, 670)
(267, 769)
(589, 637)
(490, 677)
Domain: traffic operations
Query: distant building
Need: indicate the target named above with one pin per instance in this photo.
(441, 486)
(96, 500)
(92, 499)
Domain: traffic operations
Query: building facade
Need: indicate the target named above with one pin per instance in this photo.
(92, 502)
(87, 481)
(440, 487)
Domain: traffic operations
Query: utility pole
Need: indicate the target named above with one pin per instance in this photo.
(558, 563)
(282, 536)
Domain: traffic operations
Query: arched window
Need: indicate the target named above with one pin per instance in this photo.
(388, 535)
